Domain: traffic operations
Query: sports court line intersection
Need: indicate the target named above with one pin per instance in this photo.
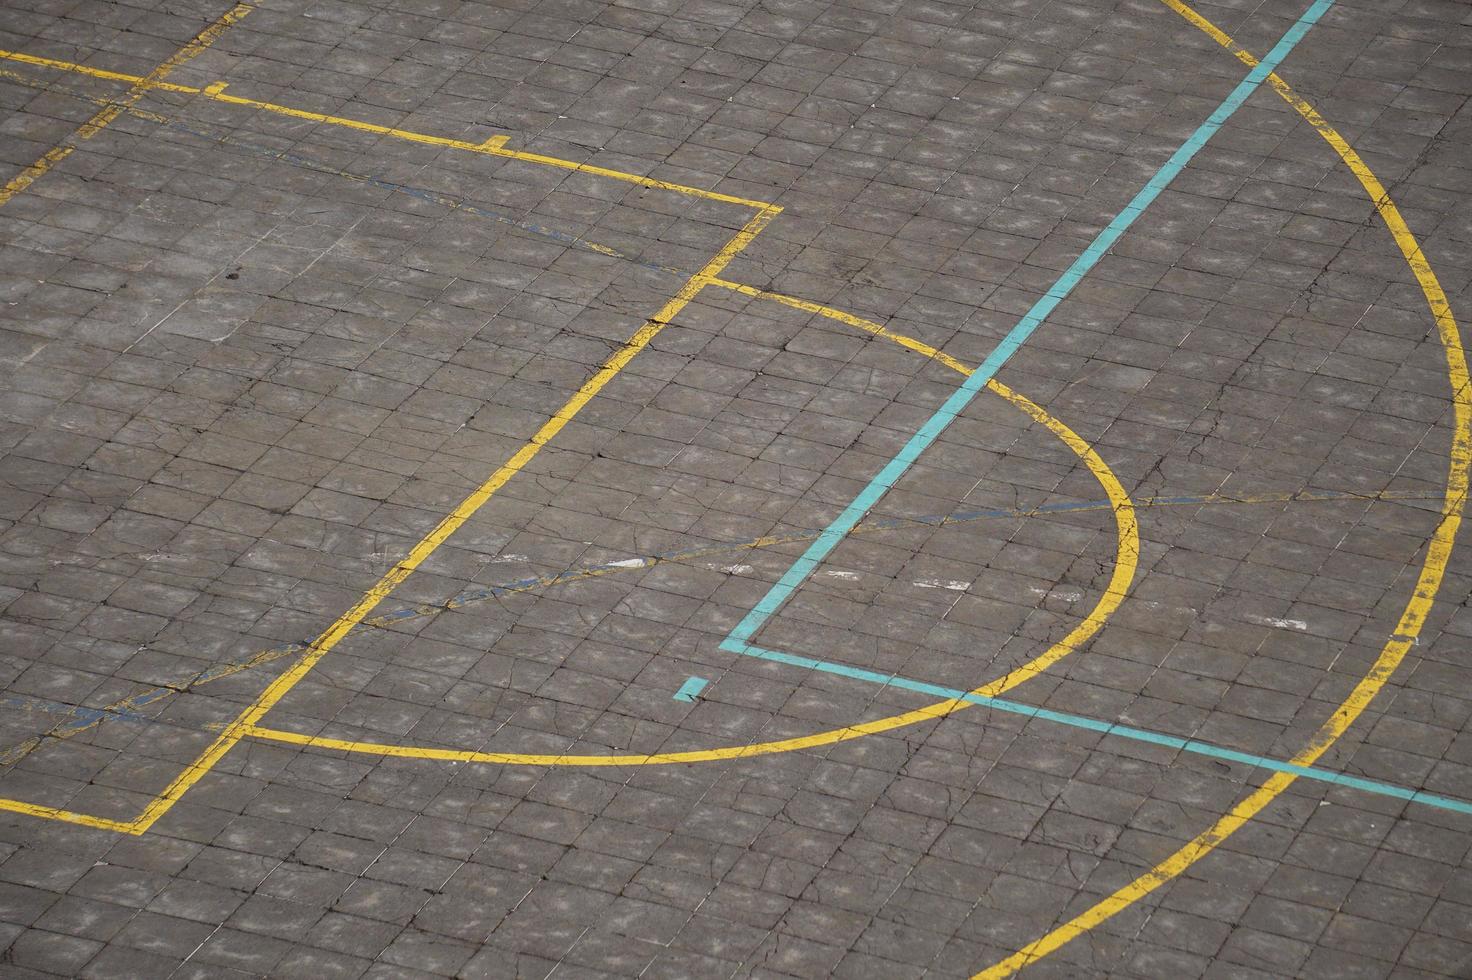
(340, 628)
(738, 639)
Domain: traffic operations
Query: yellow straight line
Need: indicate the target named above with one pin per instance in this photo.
(334, 634)
(28, 176)
(1128, 544)
(1428, 583)
(66, 816)
(89, 71)
(113, 109)
(1129, 534)
(64, 731)
(495, 146)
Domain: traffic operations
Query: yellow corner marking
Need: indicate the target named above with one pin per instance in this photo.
(494, 146)
(247, 719)
(67, 816)
(1128, 544)
(113, 109)
(490, 144)
(1428, 583)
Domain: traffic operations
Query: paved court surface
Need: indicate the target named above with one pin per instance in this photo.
(502, 489)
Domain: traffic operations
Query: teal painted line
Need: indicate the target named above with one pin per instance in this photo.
(81, 719)
(690, 690)
(77, 719)
(962, 396)
(1114, 729)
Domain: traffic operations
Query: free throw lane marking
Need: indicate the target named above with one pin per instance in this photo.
(344, 624)
(1128, 551)
(452, 522)
(494, 146)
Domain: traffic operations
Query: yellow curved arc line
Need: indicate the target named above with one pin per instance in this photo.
(1438, 551)
(1128, 542)
(449, 524)
(878, 330)
(406, 566)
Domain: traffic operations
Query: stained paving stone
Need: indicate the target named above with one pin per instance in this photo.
(250, 359)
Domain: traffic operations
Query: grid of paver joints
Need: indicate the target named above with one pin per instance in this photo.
(973, 964)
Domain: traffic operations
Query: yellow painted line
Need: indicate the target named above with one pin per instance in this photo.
(114, 108)
(1128, 545)
(859, 322)
(1428, 583)
(495, 146)
(22, 79)
(443, 200)
(31, 174)
(66, 816)
(137, 702)
(236, 730)
(452, 522)
(90, 72)
(1127, 530)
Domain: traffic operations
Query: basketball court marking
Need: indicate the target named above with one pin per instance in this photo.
(1428, 583)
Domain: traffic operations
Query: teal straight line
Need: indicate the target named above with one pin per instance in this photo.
(1116, 730)
(690, 690)
(962, 396)
(78, 719)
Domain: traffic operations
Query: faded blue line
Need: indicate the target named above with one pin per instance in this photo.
(886, 478)
(25, 702)
(1114, 729)
(690, 690)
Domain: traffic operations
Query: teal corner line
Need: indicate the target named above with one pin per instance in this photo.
(738, 639)
(1110, 728)
(931, 430)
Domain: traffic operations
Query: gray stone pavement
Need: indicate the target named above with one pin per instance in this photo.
(249, 359)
